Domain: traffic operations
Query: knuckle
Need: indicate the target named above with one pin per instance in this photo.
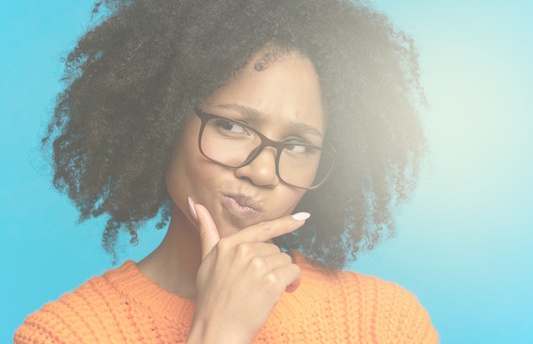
(258, 263)
(273, 282)
(265, 226)
(244, 250)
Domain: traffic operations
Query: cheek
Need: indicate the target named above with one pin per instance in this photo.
(181, 173)
(174, 180)
(192, 175)
(291, 199)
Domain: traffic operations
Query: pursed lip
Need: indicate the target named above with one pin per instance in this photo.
(244, 205)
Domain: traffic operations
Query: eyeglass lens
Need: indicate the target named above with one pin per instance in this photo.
(232, 144)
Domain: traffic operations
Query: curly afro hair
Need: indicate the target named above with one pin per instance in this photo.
(142, 66)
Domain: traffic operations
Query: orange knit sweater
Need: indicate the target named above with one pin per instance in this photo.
(123, 306)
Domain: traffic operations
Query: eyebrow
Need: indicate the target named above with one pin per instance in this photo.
(255, 114)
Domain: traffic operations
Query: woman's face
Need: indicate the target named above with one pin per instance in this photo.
(283, 102)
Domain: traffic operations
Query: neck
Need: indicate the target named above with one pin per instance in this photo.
(173, 265)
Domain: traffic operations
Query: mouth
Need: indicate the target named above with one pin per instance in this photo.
(242, 205)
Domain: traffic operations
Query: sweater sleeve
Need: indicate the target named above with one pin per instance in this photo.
(386, 312)
(82, 318)
(43, 327)
(48, 327)
(413, 321)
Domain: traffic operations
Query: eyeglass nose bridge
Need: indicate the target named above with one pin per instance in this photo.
(265, 142)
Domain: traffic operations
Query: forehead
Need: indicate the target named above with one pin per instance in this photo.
(286, 91)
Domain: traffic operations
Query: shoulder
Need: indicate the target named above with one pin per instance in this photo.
(374, 290)
(76, 316)
(370, 305)
(58, 321)
(396, 310)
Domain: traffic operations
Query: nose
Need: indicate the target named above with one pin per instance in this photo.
(262, 170)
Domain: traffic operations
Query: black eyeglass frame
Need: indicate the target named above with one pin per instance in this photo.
(265, 142)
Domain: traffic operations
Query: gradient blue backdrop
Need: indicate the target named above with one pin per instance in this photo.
(464, 241)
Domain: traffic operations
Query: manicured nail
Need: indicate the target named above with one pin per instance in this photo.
(301, 216)
(191, 209)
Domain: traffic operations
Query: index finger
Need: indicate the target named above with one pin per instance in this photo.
(267, 230)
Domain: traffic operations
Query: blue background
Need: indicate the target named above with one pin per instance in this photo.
(463, 246)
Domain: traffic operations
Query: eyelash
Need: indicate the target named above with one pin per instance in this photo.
(297, 139)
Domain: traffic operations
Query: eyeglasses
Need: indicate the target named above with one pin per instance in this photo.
(231, 143)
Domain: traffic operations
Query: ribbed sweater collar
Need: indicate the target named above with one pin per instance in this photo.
(135, 286)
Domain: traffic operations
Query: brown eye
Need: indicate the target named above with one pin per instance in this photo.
(228, 126)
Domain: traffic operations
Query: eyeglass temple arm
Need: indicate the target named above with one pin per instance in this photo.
(331, 146)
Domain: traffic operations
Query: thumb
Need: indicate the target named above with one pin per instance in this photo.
(209, 236)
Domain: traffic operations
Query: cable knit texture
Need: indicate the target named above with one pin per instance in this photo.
(123, 306)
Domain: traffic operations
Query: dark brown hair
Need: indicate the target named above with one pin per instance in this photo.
(135, 76)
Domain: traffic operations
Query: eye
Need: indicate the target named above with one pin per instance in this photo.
(297, 149)
(301, 152)
(228, 126)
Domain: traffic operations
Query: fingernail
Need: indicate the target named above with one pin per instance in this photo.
(191, 209)
(301, 216)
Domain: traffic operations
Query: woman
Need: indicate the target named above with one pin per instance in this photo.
(250, 127)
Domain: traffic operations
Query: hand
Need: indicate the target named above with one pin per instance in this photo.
(241, 279)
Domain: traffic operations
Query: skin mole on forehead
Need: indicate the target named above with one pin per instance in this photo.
(258, 115)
